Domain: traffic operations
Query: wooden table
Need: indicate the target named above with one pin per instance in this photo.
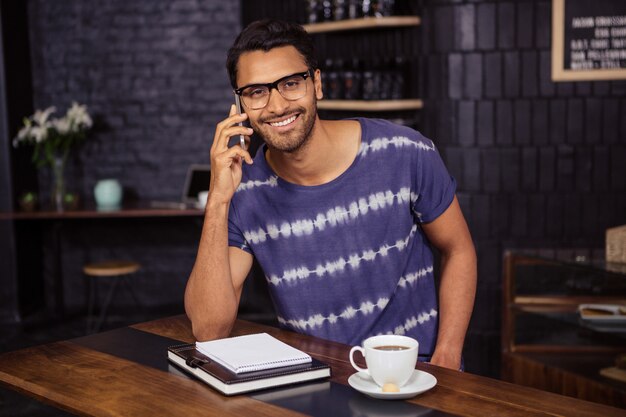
(132, 380)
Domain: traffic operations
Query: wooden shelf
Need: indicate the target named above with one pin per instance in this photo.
(363, 23)
(141, 209)
(370, 105)
(520, 301)
(547, 349)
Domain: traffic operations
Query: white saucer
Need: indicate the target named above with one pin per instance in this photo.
(419, 382)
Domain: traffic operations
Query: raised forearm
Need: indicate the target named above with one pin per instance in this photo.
(213, 290)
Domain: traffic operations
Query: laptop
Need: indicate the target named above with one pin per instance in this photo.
(197, 180)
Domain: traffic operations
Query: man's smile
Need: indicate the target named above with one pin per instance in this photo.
(284, 122)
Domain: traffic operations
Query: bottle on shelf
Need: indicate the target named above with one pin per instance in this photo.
(339, 9)
(319, 11)
(375, 8)
(352, 81)
(388, 7)
(326, 68)
(399, 73)
(369, 83)
(385, 79)
(366, 7)
(333, 85)
(354, 9)
(327, 10)
(314, 11)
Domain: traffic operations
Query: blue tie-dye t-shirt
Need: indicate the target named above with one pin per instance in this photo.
(348, 259)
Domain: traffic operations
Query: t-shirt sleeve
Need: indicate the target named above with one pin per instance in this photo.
(434, 186)
(235, 235)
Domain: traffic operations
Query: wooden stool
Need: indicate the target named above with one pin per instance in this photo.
(119, 271)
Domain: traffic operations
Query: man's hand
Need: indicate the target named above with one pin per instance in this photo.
(446, 359)
(226, 162)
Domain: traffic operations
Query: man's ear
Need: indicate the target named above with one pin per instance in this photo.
(317, 82)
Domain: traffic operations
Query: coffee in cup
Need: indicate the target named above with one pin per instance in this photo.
(391, 347)
(390, 359)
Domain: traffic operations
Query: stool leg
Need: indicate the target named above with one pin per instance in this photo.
(93, 291)
(105, 307)
(132, 292)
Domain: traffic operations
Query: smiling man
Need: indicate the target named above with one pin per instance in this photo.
(341, 215)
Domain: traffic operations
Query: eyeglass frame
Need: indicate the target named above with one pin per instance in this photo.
(274, 86)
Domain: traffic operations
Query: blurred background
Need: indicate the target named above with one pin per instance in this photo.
(540, 165)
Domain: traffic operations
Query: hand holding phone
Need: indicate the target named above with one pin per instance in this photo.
(242, 139)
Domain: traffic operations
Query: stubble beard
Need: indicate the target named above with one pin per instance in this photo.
(295, 140)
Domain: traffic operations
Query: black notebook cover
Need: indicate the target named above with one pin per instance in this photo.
(202, 367)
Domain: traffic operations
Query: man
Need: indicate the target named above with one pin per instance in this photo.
(339, 214)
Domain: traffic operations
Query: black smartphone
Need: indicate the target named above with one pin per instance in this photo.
(242, 139)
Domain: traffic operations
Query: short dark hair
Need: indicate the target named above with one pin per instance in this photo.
(268, 34)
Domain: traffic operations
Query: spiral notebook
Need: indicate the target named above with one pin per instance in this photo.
(254, 352)
(190, 360)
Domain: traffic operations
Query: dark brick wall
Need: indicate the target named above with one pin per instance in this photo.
(539, 164)
(152, 73)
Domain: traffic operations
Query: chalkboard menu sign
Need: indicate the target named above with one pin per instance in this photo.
(588, 40)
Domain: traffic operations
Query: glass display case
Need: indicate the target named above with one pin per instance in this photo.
(546, 342)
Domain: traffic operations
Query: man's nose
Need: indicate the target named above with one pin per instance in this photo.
(276, 102)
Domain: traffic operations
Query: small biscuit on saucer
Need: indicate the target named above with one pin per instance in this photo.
(390, 387)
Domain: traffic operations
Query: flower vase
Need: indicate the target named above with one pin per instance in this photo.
(58, 182)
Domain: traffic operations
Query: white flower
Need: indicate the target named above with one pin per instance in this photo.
(66, 131)
(78, 117)
(41, 117)
(39, 133)
(63, 125)
(24, 133)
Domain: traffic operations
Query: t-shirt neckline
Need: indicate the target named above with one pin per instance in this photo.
(290, 185)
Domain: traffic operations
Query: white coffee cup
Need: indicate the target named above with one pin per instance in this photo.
(390, 359)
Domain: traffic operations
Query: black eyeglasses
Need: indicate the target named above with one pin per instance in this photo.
(291, 87)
